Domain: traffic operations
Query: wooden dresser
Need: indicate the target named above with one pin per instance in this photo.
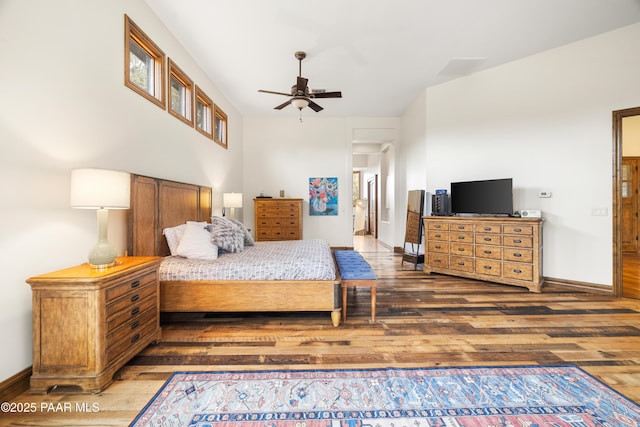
(495, 249)
(277, 219)
(87, 323)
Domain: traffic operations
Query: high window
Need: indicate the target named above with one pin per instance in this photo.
(220, 126)
(180, 94)
(204, 113)
(144, 69)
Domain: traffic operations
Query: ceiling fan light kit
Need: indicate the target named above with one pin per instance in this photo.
(300, 95)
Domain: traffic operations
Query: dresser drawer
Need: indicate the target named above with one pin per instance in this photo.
(491, 252)
(438, 260)
(518, 255)
(461, 227)
(461, 249)
(131, 285)
(518, 241)
(461, 263)
(518, 229)
(438, 235)
(487, 228)
(460, 237)
(437, 246)
(520, 271)
(489, 239)
(489, 267)
(441, 226)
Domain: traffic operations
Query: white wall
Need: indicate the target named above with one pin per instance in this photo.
(546, 121)
(283, 153)
(64, 105)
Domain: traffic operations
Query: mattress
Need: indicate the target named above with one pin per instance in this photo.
(282, 260)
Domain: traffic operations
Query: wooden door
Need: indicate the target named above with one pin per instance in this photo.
(629, 216)
(372, 192)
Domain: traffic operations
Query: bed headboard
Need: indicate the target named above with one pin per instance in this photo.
(157, 204)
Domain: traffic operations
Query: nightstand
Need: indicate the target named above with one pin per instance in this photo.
(88, 323)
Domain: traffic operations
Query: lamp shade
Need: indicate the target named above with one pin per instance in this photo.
(100, 188)
(300, 103)
(232, 200)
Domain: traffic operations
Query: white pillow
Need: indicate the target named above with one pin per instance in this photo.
(174, 234)
(196, 243)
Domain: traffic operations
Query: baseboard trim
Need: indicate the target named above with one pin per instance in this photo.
(593, 288)
(15, 385)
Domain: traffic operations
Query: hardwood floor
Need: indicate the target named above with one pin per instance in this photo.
(420, 321)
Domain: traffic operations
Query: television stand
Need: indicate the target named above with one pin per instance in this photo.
(503, 250)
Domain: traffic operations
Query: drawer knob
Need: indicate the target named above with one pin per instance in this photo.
(437, 226)
(487, 267)
(135, 284)
(135, 298)
(461, 264)
(438, 247)
(517, 230)
(487, 239)
(461, 237)
(516, 270)
(438, 236)
(517, 241)
(135, 324)
(517, 255)
(487, 252)
(135, 338)
(135, 311)
(487, 229)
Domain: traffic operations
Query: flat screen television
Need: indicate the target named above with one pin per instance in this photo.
(487, 197)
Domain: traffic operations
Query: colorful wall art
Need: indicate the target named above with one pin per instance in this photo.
(323, 196)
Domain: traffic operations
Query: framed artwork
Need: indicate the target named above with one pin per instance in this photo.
(323, 196)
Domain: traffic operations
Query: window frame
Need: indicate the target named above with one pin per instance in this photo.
(202, 98)
(183, 79)
(219, 116)
(133, 33)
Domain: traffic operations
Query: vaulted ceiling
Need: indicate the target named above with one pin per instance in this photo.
(379, 53)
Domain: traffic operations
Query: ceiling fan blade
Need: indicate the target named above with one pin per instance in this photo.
(284, 104)
(301, 85)
(327, 95)
(274, 93)
(315, 107)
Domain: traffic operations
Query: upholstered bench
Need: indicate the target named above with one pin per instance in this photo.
(355, 271)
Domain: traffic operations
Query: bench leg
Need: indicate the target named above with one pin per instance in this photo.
(373, 302)
(344, 302)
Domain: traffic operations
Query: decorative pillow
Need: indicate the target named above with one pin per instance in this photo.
(248, 239)
(196, 243)
(174, 234)
(226, 235)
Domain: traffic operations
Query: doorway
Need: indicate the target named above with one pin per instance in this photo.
(626, 271)
(372, 211)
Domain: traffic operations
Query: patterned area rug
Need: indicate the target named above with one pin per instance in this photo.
(443, 397)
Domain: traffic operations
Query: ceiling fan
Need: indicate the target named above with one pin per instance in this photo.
(300, 94)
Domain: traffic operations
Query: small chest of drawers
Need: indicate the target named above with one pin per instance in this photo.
(87, 323)
(278, 219)
(502, 250)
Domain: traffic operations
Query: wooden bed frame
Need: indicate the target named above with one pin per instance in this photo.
(157, 204)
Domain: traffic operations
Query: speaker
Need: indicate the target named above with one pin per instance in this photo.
(440, 204)
(531, 213)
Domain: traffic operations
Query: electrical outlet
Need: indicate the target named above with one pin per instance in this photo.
(599, 211)
(544, 194)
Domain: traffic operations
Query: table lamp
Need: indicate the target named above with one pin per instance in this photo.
(100, 189)
(232, 201)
